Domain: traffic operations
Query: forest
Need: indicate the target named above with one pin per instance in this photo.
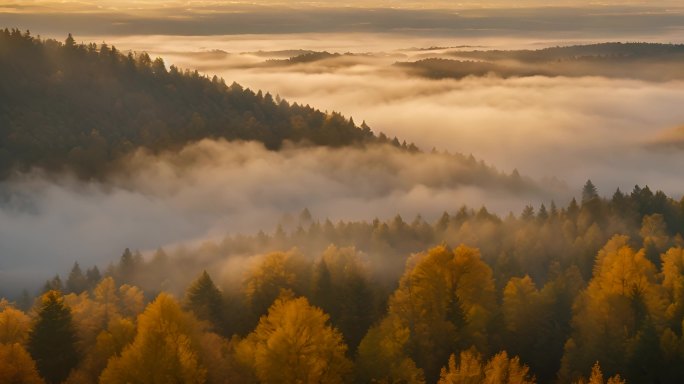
(645, 61)
(589, 292)
(102, 104)
(584, 290)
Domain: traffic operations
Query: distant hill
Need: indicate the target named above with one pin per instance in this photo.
(82, 107)
(606, 51)
(645, 61)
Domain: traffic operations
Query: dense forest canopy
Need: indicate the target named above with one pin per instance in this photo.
(82, 107)
(583, 292)
(566, 294)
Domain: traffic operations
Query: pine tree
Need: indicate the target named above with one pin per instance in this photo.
(52, 339)
(76, 282)
(205, 300)
(589, 192)
(93, 276)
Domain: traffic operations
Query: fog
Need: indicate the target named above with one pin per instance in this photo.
(617, 132)
(210, 189)
(571, 128)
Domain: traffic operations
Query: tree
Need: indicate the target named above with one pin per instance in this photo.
(76, 282)
(69, 42)
(52, 339)
(16, 365)
(275, 272)
(596, 377)
(341, 287)
(499, 370)
(14, 326)
(589, 192)
(206, 301)
(611, 314)
(468, 371)
(383, 355)
(165, 348)
(294, 344)
(445, 301)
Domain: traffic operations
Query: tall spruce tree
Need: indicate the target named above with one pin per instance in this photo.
(205, 301)
(52, 339)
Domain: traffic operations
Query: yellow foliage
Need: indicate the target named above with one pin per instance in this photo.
(164, 350)
(446, 301)
(14, 326)
(499, 370)
(275, 272)
(382, 355)
(468, 371)
(16, 365)
(294, 344)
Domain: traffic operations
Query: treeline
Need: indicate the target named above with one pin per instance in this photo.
(598, 51)
(82, 107)
(592, 289)
(648, 61)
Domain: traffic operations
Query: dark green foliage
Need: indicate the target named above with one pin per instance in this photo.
(76, 282)
(589, 192)
(127, 268)
(55, 284)
(93, 276)
(206, 302)
(52, 339)
(83, 107)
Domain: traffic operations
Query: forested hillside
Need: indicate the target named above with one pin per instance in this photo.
(582, 292)
(647, 61)
(82, 107)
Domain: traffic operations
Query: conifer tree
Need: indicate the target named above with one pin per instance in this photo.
(52, 339)
(205, 300)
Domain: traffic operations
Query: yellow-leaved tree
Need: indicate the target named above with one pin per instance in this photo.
(500, 369)
(617, 318)
(14, 326)
(295, 344)
(444, 303)
(16, 365)
(165, 348)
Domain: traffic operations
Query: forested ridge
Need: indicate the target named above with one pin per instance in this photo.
(587, 292)
(646, 61)
(82, 107)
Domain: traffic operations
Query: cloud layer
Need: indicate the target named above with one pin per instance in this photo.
(211, 188)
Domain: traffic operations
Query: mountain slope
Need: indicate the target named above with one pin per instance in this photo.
(83, 107)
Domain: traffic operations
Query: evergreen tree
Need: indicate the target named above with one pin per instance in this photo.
(77, 282)
(205, 300)
(52, 339)
(93, 276)
(55, 284)
(589, 192)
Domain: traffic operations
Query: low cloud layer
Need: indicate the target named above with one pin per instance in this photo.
(212, 188)
(617, 132)
(569, 128)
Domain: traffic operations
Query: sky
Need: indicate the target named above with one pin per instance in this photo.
(558, 131)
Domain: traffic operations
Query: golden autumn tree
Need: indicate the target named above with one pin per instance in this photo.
(295, 344)
(383, 355)
(276, 271)
(673, 286)
(16, 365)
(596, 377)
(500, 369)
(14, 326)
(165, 348)
(445, 301)
(615, 317)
